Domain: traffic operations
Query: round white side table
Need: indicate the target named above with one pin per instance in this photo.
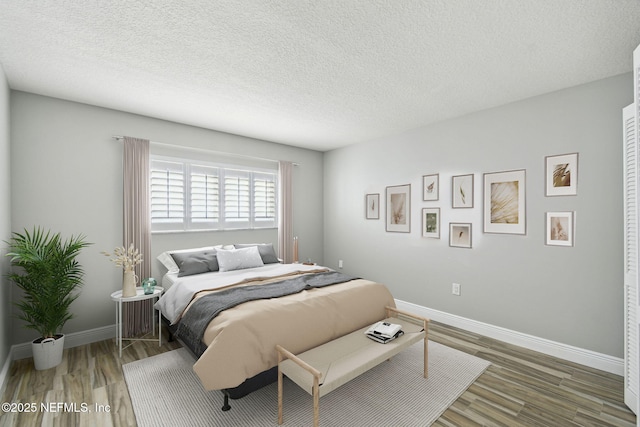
(140, 296)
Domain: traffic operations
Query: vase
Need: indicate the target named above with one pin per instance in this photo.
(149, 285)
(129, 280)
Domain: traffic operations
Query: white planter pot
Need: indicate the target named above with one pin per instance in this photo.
(48, 353)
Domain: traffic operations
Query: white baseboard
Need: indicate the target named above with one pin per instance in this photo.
(603, 362)
(22, 351)
(74, 339)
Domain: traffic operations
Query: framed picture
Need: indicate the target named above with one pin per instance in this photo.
(462, 191)
(373, 206)
(460, 235)
(561, 173)
(560, 228)
(430, 187)
(504, 202)
(431, 222)
(399, 208)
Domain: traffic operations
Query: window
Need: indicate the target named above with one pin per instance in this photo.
(167, 193)
(188, 195)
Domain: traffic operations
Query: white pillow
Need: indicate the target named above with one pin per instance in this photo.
(238, 259)
(167, 260)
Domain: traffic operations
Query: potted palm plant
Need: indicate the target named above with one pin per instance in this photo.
(49, 276)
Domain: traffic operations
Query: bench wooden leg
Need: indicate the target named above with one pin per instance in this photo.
(316, 402)
(425, 323)
(426, 349)
(279, 390)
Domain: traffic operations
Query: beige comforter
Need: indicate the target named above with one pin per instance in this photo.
(241, 341)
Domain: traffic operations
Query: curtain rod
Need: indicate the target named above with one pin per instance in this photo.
(120, 138)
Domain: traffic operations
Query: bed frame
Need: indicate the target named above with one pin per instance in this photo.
(248, 386)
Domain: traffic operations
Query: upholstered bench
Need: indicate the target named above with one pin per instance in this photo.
(324, 368)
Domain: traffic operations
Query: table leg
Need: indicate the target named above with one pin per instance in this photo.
(120, 326)
(153, 317)
(117, 326)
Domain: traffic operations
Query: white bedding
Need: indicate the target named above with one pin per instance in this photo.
(182, 289)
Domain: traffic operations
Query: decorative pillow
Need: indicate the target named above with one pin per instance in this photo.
(267, 253)
(167, 260)
(196, 262)
(238, 259)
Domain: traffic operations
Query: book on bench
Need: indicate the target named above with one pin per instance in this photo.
(383, 332)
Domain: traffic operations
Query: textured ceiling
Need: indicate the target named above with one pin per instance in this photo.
(318, 74)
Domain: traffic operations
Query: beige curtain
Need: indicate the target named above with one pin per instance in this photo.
(137, 228)
(285, 217)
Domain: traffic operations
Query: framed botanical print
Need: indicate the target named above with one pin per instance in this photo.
(430, 187)
(462, 191)
(431, 222)
(504, 202)
(561, 175)
(399, 208)
(560, 228)
(373, 206)
(460, 235)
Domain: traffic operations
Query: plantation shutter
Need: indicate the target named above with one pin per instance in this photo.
(264, 200)
(630, 258)
(237, 198)
(205, 196)
(167, 194)
(191, 195)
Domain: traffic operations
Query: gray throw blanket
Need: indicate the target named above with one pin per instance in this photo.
(194, 323)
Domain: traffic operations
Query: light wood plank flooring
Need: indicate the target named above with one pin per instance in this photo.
(520, 388)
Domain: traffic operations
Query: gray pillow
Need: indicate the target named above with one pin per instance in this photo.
(196, 262)
(267, 253)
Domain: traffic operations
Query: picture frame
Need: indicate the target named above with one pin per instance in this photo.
(504, 206)
(561, 175)
(431, 222)
(431, 187)
(462, 191)
(560, 228)
(372, 208)
(399, 208)
(460, 235)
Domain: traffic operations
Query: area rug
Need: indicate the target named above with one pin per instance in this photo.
(165, 391)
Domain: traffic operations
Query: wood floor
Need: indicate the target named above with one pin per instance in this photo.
(520, 388)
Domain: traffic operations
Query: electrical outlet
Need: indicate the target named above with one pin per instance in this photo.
(339, 263)
(455, 288)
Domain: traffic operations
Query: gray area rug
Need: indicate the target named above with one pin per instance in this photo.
(166, 392)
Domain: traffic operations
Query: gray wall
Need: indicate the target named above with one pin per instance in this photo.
(66, 176)
(5, 219)
(568, 295)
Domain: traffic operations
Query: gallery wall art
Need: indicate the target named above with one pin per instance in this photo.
(462, 191)
(431, 187)
(560, 228)
(372, 206)
(431, 222)
(460, 235)
(561, 175)
(504, 202)
(399, 208)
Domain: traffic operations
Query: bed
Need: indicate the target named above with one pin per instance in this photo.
(235, 342)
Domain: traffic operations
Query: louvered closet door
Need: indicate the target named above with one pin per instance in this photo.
(634, 370)
(631, 341)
